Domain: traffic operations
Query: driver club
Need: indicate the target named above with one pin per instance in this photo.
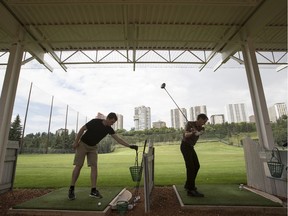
(163, 87)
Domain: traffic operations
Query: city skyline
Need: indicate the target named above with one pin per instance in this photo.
(275, 112)
(178, 120)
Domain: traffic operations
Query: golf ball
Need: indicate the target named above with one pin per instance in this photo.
(241, 186)
(137, 198)
(99, 203)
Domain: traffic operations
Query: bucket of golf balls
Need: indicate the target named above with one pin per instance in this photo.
(122, 207)
(136, 172)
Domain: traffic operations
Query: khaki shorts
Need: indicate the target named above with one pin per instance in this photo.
(83, 150)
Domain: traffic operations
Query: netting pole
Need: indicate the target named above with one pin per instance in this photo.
(25, 119)
(48, 135)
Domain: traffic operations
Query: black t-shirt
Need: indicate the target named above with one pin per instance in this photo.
(95, 132)
(192, 139)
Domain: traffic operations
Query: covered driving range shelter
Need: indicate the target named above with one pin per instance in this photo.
(91, 31)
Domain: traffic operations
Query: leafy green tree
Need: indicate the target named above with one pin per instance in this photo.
(72, 137)
(58, 142)
(280, 131)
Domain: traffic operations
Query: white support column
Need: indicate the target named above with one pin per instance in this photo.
(257, 95)
(7, 99)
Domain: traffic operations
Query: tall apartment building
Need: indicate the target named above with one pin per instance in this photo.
(236, 113)
(177, 119)
(252, 119)
(217, 119)
(119, 123)
(142, 118)
(159, 124)
(100, 116)
(196, 110)
(61, 131)
(277, 111)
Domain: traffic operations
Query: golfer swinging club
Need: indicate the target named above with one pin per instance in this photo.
(86, 144)
(193, 130)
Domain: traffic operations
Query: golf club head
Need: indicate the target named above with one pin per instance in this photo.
(163, 86)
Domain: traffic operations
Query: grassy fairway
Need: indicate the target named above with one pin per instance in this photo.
(220, 164)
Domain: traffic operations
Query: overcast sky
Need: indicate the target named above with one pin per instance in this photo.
(120, 90)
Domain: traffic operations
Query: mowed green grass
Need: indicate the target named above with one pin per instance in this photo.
(220, 164)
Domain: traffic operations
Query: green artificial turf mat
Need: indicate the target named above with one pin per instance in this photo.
(58, 200)
(224, 195)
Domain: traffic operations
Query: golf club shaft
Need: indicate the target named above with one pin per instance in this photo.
(176, 105)
(136, 191)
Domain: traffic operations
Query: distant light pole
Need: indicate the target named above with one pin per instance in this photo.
(77, 122)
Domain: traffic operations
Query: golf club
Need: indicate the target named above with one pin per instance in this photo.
(163, 87)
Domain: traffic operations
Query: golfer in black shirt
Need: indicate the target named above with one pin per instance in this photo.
(86, 145)
(193, 130)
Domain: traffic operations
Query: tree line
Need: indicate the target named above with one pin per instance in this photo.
(229, 133)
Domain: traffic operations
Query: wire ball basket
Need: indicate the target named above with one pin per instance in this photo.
(136, 173)
(275, 164)
(136, 170)
(122, 207)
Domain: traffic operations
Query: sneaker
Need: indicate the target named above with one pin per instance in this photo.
(95, 194)
(194, 193)
(71, 194)
(187, 188)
